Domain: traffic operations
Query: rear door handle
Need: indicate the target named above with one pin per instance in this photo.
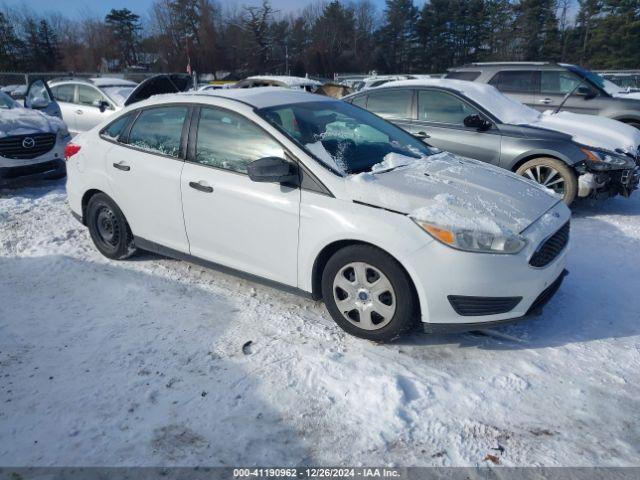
(122, 166)
(421, 135)
(201, 186)
(79, 112)
(545, 101)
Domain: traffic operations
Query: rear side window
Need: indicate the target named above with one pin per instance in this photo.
(391, 103)
(63, 93)
(231, 142)
(114, 129)
(469, 76)
(515, 81)
(159, 130)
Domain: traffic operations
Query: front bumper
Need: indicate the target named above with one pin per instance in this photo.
(47, 165)
(534, 310)
(608, 183)
(440, 273)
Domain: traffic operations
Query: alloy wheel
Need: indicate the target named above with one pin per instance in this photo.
(546, 176)
(364, 295)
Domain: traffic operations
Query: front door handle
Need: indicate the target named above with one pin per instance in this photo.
(545, 101)
(201, 187)
(122, 166)
(79, 112)
(421, 135)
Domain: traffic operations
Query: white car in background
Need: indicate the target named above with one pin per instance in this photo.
(325, 199)
(283, 81)
(84, 103)
(31, 142)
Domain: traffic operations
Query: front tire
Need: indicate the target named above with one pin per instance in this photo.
(368, 294)
(553, 174)
(108, 228)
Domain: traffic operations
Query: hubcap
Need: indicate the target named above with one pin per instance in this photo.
(364, 295)
(107, 226)
(547, 176)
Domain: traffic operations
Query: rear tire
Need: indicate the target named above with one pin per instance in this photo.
(368, 293)
(553, 174)
(108, 228)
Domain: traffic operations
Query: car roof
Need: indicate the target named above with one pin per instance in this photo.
(286, 80)
(509, 66)
(109, 81)
(258, 97)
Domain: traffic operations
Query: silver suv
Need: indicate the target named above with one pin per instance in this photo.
(552, 86)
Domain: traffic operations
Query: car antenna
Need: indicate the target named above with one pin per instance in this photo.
(566, 97)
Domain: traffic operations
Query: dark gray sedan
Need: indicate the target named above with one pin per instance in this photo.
(572, 154)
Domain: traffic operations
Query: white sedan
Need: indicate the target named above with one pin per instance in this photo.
(323, 198)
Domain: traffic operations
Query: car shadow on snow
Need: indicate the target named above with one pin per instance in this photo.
(108, 366)
(586, 208)
(598, 299)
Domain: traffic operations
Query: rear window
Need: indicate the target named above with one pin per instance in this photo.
(469, 76)
(517, 81)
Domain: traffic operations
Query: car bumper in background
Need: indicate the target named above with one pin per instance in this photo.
(608, 183)
(47, 165)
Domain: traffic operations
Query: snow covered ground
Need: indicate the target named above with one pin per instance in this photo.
(142, 362)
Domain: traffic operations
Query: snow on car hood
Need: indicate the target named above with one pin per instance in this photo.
(591, 130)
(22, 121)
(454, 191)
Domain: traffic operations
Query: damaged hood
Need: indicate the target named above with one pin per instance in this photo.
(22, 121)
(592, 131)
(455, 191)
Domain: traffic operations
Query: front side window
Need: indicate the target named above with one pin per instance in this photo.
(342, 137)
(559, 82)
(229, 141)
(441, 107)
(63, 93)
(89, 96)
(159, 130)
(515, 81)
(391, 103)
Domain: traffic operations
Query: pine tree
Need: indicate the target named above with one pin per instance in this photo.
(124, 26)
(398, 45)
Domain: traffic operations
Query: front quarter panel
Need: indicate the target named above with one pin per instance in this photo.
(515, 150)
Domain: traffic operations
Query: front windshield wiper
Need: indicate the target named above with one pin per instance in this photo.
(566, 97)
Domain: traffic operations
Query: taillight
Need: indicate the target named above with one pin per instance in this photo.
(70, 150)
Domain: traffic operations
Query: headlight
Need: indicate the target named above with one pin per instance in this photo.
(474, 240)
(63, 132)
(605, 161)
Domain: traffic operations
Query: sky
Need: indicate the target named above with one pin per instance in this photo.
(81, 9)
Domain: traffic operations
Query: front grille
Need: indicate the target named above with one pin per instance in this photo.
(551, 248)
(478, 306)
(546, 294)
(26, 146)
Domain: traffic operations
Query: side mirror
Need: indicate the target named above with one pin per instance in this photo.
(273, 170)
(586, 92)
(39, 103)
(477, 122)
(101, 104)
